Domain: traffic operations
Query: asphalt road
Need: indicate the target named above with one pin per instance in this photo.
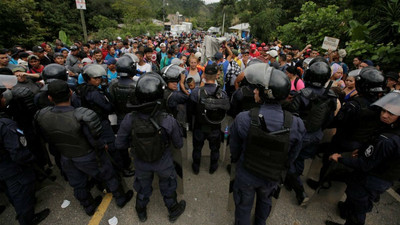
(207, 200)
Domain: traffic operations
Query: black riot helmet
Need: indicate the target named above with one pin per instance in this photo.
(127, 65)
(369, 81)
(172, 73)
(318, 73)
(149, 88)
(54, 71)
(273, 84)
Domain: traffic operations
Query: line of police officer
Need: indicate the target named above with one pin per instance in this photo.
(265, 141)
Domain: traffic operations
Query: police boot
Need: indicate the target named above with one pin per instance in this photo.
(121, 197)
(301, 195)
(176, 210)
(92, 205)
(40, 216)
(196, 166)
(213, 166)
(142, 214)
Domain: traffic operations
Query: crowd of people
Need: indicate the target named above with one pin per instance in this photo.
(281, 98)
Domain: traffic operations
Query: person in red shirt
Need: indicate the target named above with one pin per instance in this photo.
(34, 65)
(253, 51)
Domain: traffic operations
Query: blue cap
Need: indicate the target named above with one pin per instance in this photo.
(218, 56)
(111, 61)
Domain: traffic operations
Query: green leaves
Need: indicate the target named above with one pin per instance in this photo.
(314, 23)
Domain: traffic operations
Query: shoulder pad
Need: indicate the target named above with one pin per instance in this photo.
(90, 118)
(332, 94)
(21, 92)
(306, 92)
(43, 111)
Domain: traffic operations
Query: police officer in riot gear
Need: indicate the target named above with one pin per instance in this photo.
(316, 106)
(122, 90)
(211, 104)
(243, 98)
(89, 95)
(50, 72)
(258, 134)
(76, 135)
(149, 132)
(174, 99)
(356, 121)
(16, 175)
(376, 164)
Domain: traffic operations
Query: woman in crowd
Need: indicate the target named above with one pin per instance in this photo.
(350, 88)
(336, 77)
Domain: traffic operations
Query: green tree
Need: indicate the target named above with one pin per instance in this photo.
(314, 23)
(19, 23)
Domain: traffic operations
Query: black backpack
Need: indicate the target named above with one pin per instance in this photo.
(266, 152)
(320, 111)
(147, 137)
(212, 108)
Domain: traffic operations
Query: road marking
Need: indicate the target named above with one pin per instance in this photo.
(394, 194)
(98, 215)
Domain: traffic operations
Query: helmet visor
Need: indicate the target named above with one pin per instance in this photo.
(390, 102)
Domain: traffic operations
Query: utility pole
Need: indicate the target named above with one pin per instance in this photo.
(83, 26)
(223, 24)
(163, 11)
(81, 5)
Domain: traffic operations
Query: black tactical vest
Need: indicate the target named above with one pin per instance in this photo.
(366, 123)
(266, 153)
(147, 137)
(123, 94)
(211, 109)
(64, 131)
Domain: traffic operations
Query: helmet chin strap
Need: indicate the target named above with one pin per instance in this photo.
(267, 91)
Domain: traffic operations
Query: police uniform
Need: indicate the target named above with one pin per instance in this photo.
(356, 121)
(205, 131)
(248, 184)
(19, 180)
(74, 133)
(96, 99)
(16, 176)
(376, 167)
(149, 89)
(175, 100)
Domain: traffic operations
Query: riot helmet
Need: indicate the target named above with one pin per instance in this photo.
(390, 102)
(318, 72)
(54, 71)
(149, 88)
(93, 71)
(127, 65)
(6, 83)
(369, 81)
(273, 84)
(172, 73)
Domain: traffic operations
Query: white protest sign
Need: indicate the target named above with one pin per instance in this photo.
(80, 4)
(330, 43)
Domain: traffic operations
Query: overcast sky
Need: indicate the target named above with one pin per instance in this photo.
(210, 1)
